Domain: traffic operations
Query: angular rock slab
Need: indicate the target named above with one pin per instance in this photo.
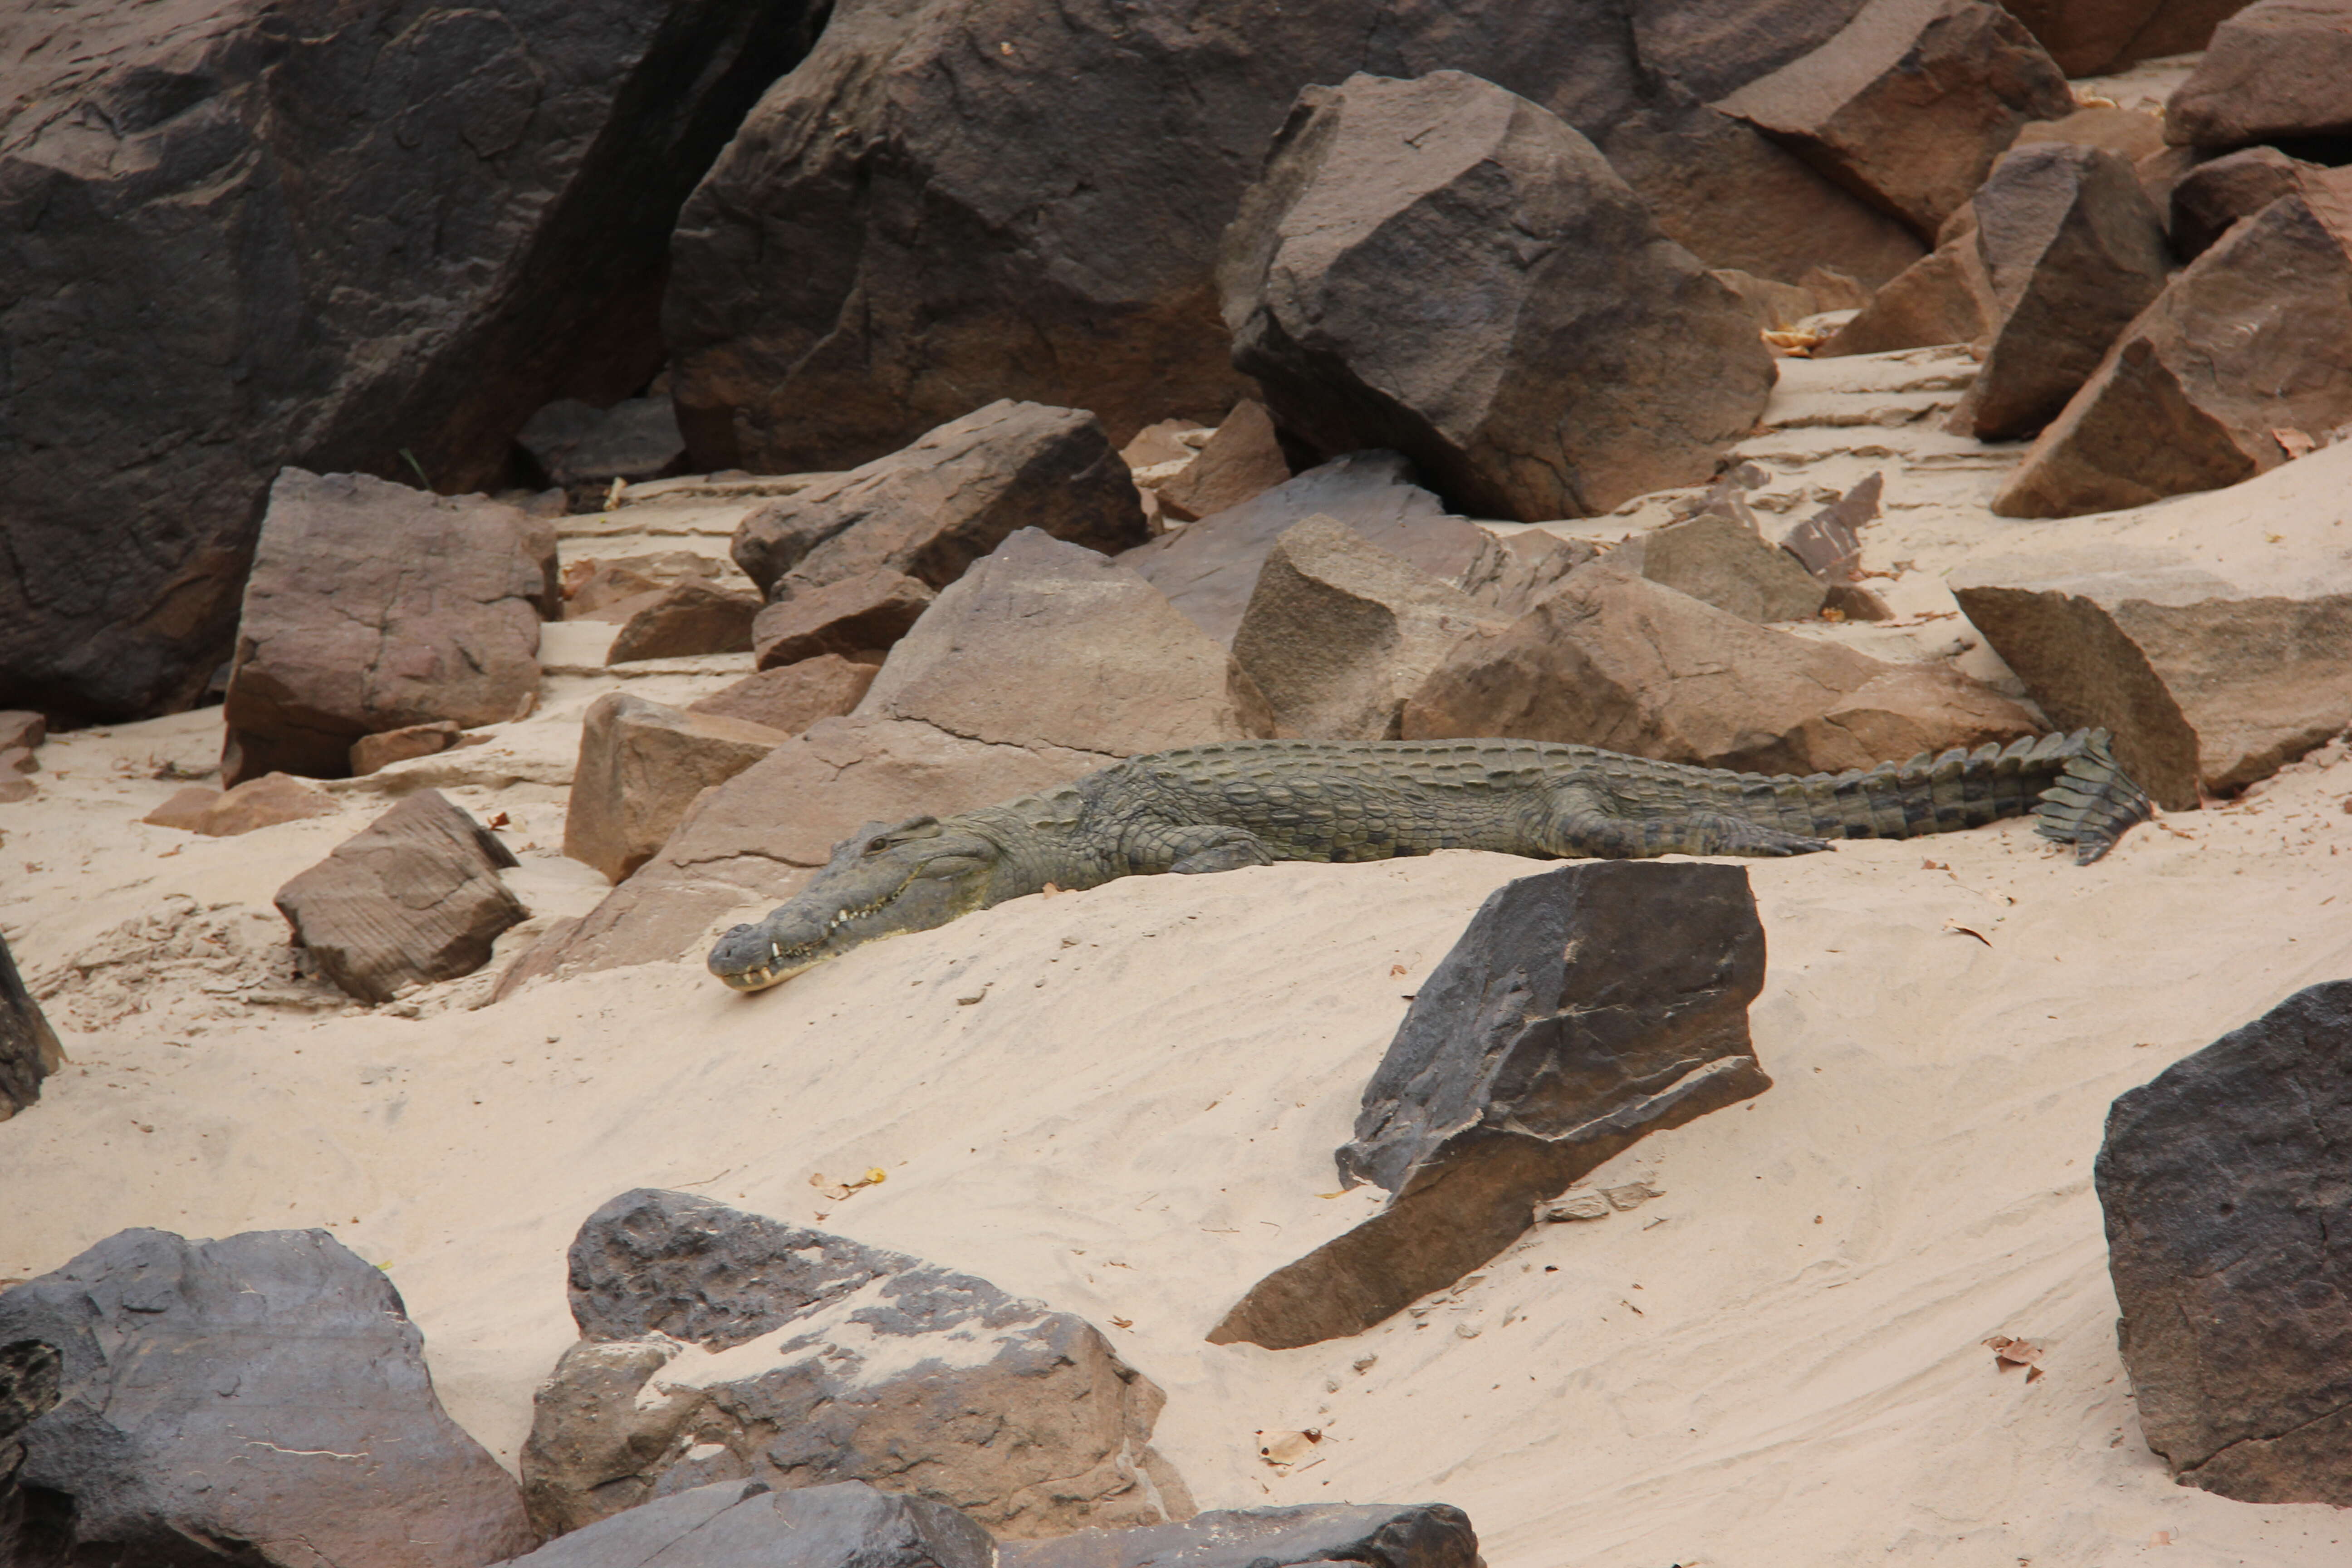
(791, 697)
(2091, 37)
(265, 801)
(684, 620)
(1241, 462)
(861, 616)
(266, 1390)
(2211, 197)
(2278, 70)
(749, 1524)
(1580, 1010)
(342, 637)
(718, 1345)
(1944, 297)
(1445, 269)
(1724, 562)
(2222, 1181)
(29, 1051)
(413, 897)
(640, 765)
(1378, 1535)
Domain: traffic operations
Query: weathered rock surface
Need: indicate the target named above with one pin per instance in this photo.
(19, 727)
(242, 235)
(593, 587)
(1378, 1535)
(640, 765)
(582, 447)
(2254, 337)
(685, 619)
(1721, 561)
(1242, 461)
(1045, 643)
(805, 1358)
(1442, 268)
(202, 1385)
(1581, 1009)
(1339, 632)
(2212, 197)
(2223, 1185)
(412, 897)
(1617, 661)
(791, 697)
(1910, 102)
(342, 637)
(2089, 39)
(749, 1524)
(264, 802)
(370, 753)
(29, 1052)
(933, 508)
(1829, 543)
(2074, 251)
(2277, 70)
(1944, 297)
(853, 617)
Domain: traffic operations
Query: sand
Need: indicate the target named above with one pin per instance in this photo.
(1779, 1362)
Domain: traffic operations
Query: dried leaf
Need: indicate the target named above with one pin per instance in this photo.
(1958, 930)
(1934, 864)
(2008, 1352)
(1397, 969)
(501, 820)
(1122, 1323)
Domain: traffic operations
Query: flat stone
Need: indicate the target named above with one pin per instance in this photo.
(264, 802)
(1378, 1535)
(686, 619)
(640, 765)
(593, 583)
(373, 752)
(853, 616)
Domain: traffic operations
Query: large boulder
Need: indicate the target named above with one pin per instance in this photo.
(411, 897)
(749, 1524)
(640, 765)
(2222, 1181)
(342, 637)
(265, 1390)
(29, 1051)
(2278, 70)
(246, 235)
(1614, 660)
(1442, 268)
(2089, 37)
(1911, 101)
(1581, 1009)
(1377, 1535)
(717, 1345)
(2253, 337)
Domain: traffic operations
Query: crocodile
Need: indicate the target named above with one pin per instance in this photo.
(1251, 803)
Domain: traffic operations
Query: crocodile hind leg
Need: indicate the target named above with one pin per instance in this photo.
(1581, 825)
(1191, 850)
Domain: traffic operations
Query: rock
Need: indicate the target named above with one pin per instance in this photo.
(2093, 39)
(1339, 632)
(1444, 268)
(342, 637)
(249, 235)
(934, 507)
(747, 1524)
(411, 897)
(1242, 460)
(2278, 70)
(580, 446)
(640, 765)
(1378, 1535)
(1722, 561)
(1945, 297)
(1581, 1009)
(686, 619)
(373, 752)
(2212, 196)
(2223, 1184)
(14, 788)
(1829, 543)
(1910, 102)
(264, 802)
(29, 1052)
(791, 697)
(855, 617)
(593, 587)
(19, 760)
(20, 728)
(1617, 661)
(1046, 644)
(2214, 655)
(2254, 336)
(805, 1358)
(2074, 251)
(201, 1382)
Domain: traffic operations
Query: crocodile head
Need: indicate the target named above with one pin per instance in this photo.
(889, 878)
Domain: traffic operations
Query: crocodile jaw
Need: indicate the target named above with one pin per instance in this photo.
(864, 894)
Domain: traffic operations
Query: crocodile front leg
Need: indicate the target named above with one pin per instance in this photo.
(1190, 850)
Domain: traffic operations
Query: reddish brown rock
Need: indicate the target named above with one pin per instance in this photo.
(20, 728)
(640, 765)
(791, 697)
(264, 802)
(2130, 134)
(1724, 562)
(373, 751)
(685, 619)
(1910, 102)
(19, 760)
(2211, 197)
(343, 638)
(851, 617)
(2278, 70)
(1943, 297)
(592, 586)
(1242, 460)
(1601, 360)
(2091, 37)
(411, 897)
(29, 1051)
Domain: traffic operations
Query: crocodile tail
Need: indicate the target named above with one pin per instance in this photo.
(2091, 802)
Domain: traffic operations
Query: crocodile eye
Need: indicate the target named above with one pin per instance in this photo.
(876, 846)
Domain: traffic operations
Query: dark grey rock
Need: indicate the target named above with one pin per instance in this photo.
(1036, 1428)
(2210, 197)
(578, 445)
(29, 1051)
(1378, 1535)
(260, 1400)
(2228, 1209)
(1829, 543)
(747, 1524)
(1581, 1009)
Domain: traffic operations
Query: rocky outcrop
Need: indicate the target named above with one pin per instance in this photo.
(242, 235)
(2223, 1184)
(2092, 39)
(791, 697)
(1617, 661)
(264, 802)
(2253, 337)
(717, 1345)
(1339, 632)
(640, 765)
(1378, 1535)
(1242, 461)
(749, 1524)
(29, 1052)
(342, 637)
(411, 897)
(2279, 70)
(686, 619)
(266, 1390)
(1581, 1009)
(1600, 360)
(1910, 102)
